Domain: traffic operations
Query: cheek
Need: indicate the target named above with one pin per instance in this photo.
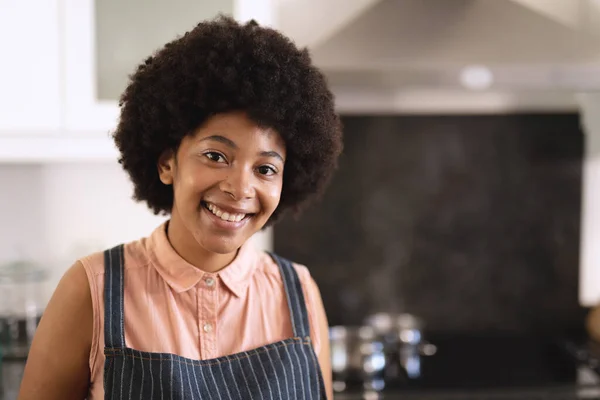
(189, 184)
(272, 196)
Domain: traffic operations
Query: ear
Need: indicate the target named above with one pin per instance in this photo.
(166, 167)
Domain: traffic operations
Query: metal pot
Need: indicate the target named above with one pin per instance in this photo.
(400, 330)
(357, 358)
(404, 343)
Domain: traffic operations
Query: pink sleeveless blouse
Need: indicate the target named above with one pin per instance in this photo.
(173, 307)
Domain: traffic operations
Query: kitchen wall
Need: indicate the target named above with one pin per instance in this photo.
(471, 222)
(484, 212)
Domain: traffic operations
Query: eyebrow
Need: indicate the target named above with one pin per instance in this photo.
(230, 143)
(221, 139)
(272, 154)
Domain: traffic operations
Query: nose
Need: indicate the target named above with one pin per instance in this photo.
(238, 183)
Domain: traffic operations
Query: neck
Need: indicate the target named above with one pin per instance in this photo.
(186, 246)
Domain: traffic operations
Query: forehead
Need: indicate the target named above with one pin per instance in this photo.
(238, 127)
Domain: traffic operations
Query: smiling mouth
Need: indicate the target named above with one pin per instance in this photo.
(224, 215)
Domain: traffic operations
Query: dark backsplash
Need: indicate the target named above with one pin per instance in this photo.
(471, 222)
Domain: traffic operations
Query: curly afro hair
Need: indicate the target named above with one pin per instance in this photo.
(220, 66)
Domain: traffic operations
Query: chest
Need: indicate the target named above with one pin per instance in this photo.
(206, 321)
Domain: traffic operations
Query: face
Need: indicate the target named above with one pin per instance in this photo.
(227, 179)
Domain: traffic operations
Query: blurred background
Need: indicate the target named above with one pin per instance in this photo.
(469, 189)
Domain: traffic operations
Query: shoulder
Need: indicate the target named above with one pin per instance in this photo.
(267, 266)
(136, 253)
(91, 275)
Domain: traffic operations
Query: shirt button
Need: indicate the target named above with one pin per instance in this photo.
(207, 327)
(209, 282)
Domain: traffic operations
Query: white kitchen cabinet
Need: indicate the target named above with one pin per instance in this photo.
(30, 75)
(65, 63)
(105, 40)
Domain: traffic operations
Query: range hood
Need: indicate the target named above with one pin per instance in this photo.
(527, 44)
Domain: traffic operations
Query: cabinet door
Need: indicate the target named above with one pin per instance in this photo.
(105, 40)
(30, 83)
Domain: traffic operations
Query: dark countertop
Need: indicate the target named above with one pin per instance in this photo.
(490, 367)
(564, 393)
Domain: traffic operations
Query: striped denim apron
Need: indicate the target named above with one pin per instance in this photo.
(283, 370)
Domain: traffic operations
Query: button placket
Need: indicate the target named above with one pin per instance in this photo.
(208, 316)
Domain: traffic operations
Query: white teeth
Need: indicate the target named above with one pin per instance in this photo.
(225, 216)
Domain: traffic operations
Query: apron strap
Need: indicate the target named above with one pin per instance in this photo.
(295, 296)
(114, 329)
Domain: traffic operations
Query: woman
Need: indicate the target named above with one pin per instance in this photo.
(224, 129)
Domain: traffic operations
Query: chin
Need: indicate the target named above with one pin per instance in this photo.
(222, 249)
(220, 245)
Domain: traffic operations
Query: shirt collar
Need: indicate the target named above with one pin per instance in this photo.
(182, 276)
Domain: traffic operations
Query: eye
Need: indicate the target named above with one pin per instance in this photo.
(266, 170)
(214, 156)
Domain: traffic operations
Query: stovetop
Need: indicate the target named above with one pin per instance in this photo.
(493, 361)
(539, 394)
(499, 366)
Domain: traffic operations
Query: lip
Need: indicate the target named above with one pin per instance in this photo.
(230, 210)
(229, 225)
